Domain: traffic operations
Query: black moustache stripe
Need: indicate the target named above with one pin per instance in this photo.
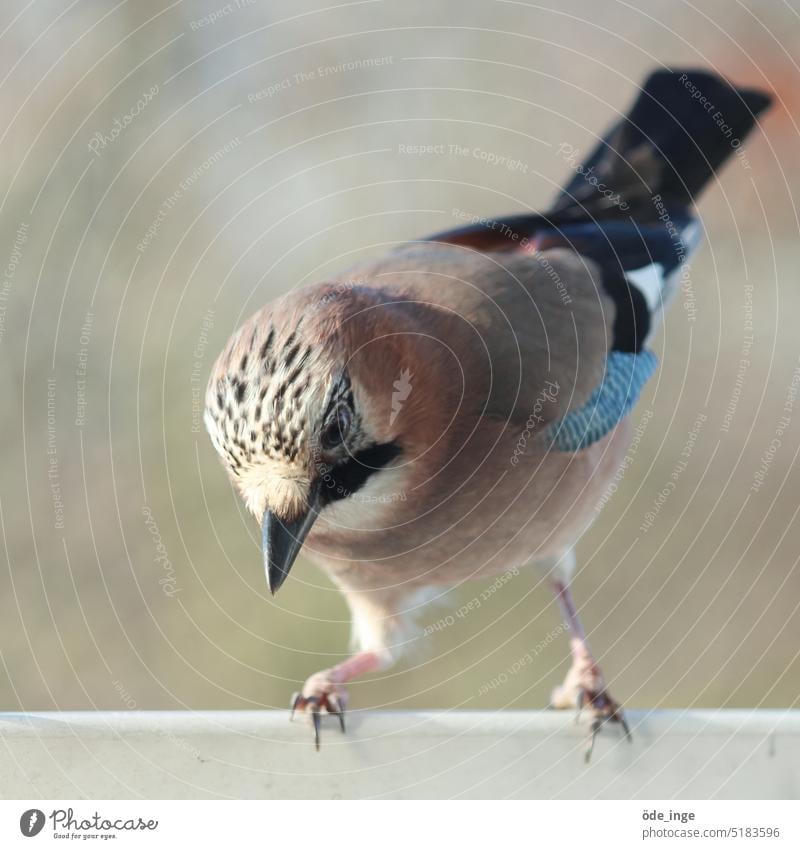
(346, 478)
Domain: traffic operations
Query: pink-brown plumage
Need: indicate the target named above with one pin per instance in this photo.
(397, 420)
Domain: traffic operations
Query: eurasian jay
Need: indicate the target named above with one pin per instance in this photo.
(459, 406)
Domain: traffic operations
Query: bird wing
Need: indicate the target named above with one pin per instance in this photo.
(531, 331)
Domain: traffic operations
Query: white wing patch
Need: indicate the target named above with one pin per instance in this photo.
(649, 280)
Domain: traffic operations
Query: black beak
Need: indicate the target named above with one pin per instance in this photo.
(281, 541)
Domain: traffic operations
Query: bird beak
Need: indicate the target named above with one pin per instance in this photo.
(281, 541)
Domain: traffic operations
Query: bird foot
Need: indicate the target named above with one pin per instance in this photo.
(320, 694)
(584, 690)
(602, 709)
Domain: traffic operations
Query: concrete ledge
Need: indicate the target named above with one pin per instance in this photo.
(253, 754)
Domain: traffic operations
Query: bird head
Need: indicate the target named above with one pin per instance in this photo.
(309, 402)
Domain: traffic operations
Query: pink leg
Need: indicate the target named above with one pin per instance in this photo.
(584, 674)
(359, 664)
(325, 691)
(584, 686)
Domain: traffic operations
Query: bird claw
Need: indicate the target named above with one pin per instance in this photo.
(337, 709)
(603, 710)
(329, 701)
(295, 701)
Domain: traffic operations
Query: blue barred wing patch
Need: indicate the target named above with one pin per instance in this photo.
(625, 376)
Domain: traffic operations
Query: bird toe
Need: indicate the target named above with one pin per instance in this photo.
(329, 700)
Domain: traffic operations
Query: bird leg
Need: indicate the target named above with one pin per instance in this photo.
(325, 691)
(584, 686)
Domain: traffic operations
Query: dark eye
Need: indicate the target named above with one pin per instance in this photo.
(336, 431)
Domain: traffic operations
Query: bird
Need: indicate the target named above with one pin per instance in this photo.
(459, 405)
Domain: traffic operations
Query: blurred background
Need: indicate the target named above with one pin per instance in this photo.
(169, 167)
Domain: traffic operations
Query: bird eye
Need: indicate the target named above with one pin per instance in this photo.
(336, 432)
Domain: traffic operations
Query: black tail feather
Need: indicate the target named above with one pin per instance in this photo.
(680, 130)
